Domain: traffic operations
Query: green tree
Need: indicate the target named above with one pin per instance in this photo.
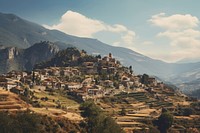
(28, 123)
(97, 121)
(110, 126)
(188, 111)
(123, 111)
(131, 69)
(27, 92)
(164, 122)
(24, 122)
(6, 123)
(89, 109)
(144, 79)
(33, 76)
(153, 130)
(98, 56)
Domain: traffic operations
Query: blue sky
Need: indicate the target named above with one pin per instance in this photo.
(167, 30)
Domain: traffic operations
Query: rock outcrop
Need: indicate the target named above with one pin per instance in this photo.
(12, 58)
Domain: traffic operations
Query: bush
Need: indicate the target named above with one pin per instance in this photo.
(123, 112)
(27, 122)
(97, 121)
(188, 111)
(164, 122)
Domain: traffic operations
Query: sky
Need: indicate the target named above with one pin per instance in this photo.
(166, 30)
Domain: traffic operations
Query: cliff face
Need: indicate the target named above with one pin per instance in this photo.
(12, 58)
(39, 52)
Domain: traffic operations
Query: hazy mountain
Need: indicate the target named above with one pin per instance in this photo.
(20, 33)
(191, 88)
(188, 60)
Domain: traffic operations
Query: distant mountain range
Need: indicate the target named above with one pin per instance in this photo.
(21, 48)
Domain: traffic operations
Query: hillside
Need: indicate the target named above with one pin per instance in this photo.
(119, 97)
(17, 33)
(11, 102)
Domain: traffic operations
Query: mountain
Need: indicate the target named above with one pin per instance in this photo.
(193, 85)
(13, 58)
(18, 34)
(10, 58)
(188, 60)
(189, 82)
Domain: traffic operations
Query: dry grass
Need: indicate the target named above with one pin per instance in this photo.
(183, 117)
(54, 99)
(58, 113)
(11, 102)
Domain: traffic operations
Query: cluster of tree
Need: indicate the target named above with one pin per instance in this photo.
(97, 121)
(183, 111)
(196, 107)
(144, 79)
(27, 122)
(164, 121)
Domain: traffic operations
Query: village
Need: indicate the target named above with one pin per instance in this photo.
(83, 82)
(110, 85)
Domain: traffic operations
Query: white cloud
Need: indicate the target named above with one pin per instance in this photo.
(147, 43)
(186, 33)
(174, 22)
(181, 30)
(129, 37)
(116, 28)
(74, 23)
(184, 38)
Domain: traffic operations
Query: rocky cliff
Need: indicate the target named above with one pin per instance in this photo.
(12, 58)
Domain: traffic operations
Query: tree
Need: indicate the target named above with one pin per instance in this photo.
(117, 76)
(28, 122)
(83, 51)
(97, 121)
(98, 56)
(110, 126)
(89, 109)
(23, 122)
(144, 79)
(6, 123)
(131, 69)
(123, 111)
(153, 130)
(188, 111)
(164, 122)
(27, 92)
(33, 76)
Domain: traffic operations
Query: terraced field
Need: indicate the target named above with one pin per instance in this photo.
(55, 99)
(11, 102)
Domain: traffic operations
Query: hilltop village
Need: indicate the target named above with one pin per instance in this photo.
(58, 86)
(92, 80)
